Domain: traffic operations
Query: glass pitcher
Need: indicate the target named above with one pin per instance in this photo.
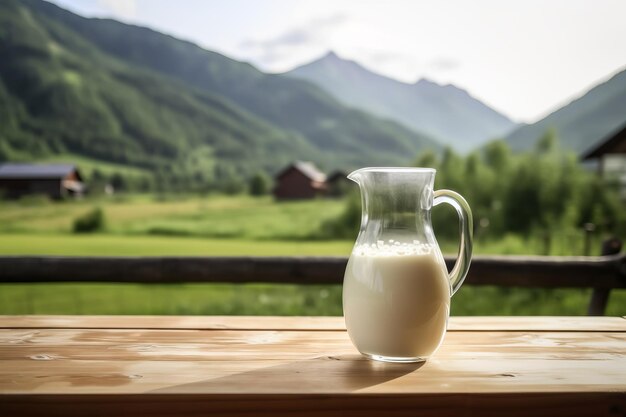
(396, 288)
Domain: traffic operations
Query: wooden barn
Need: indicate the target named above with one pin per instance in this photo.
(611, 156)
(54, 180)
(300, 180)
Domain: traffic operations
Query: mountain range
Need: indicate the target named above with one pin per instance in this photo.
(106, 91)
(122, 93)
(446, 112)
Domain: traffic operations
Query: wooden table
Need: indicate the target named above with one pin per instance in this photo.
(267, 366)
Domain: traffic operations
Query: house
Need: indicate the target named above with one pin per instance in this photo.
(338, 184)
(300, 180)
(54, 180)
(611, 155)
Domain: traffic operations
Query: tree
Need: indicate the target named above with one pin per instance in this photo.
(146, 184)
(498, 156)
(118, 182)
(259, 184)
(547, 143)
(451, 173)
(427, 159)
(96, 175)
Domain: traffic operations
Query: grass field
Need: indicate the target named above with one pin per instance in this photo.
(218, 216)
(218, 225)
(119, 245)
(252, 299)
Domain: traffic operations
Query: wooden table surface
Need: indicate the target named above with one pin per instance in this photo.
(262, 366)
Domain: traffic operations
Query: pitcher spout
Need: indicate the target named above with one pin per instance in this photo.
(394, 192)
(355, 176)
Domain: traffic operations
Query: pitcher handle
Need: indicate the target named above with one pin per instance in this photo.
(466, 227)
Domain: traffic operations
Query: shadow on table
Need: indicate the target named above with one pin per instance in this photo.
(347, 373)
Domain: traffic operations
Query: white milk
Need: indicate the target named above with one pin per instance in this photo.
(396, 299)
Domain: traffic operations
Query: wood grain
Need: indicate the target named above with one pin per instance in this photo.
(474, 323)
(58, 346)
(306, 366)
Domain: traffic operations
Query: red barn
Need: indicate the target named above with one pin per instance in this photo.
(300, 180)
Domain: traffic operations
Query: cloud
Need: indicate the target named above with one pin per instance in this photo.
(120, 8)
(313, 34)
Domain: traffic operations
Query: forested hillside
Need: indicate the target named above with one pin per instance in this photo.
(124, 94)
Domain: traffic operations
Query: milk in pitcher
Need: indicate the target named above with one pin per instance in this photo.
(396, 299)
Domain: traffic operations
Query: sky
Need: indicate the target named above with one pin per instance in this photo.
(523, 58)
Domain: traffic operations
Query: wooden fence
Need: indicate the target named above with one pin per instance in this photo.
(602, 273)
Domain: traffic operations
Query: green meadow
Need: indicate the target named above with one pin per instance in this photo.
(144, 225)
(240, 217)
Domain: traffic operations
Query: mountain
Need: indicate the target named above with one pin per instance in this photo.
(446, 112)
(129, 94)
(583, 122)
(59, 94)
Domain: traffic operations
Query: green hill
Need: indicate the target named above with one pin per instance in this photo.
(130, 95)
(59, 94)
(583, 122)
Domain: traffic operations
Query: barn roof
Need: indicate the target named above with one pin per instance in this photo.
(308, 169)
(613, 143)
(32, 171)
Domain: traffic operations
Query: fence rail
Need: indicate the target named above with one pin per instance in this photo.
(601, 273)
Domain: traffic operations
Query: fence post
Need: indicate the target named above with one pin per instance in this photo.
(600, 296)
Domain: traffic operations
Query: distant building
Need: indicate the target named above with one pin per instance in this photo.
(300, 180)
(611, 155)
(338, 184)
(54, 180)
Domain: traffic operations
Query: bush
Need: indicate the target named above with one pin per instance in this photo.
(118, 182)
(92, 221)
(259, 185)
